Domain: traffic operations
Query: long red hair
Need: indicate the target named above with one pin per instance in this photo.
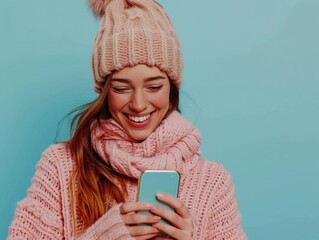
(94, 184)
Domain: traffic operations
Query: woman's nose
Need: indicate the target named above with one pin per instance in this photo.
(138, 101)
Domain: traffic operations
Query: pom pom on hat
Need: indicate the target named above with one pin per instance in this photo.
(98, 6)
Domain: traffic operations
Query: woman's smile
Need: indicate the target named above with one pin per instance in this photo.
(139, 121)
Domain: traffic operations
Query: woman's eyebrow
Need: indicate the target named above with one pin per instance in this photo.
(124, 80)
(154, 78)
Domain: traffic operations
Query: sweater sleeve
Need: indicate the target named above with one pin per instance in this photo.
(109, 226)
(224, 220)
(39, 215)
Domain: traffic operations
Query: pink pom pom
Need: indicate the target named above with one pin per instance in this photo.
(98, 6)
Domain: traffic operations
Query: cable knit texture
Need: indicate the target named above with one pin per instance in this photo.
(174, 145)
(134, 32)
(206, 187)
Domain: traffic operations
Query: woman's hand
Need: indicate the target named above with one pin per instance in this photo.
(132, 219)
(181, 220)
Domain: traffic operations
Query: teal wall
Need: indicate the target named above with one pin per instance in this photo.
(251, 84)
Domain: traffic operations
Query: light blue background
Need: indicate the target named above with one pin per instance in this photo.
(251, 85)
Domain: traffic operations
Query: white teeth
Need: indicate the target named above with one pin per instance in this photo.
(139, 119)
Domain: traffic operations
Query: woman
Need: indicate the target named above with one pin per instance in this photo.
(86, 188)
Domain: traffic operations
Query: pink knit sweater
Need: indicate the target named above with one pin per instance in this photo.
(206, 187)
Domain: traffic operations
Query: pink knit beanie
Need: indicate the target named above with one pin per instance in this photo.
(134, 32)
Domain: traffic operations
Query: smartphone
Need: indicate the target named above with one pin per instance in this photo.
(152, 182)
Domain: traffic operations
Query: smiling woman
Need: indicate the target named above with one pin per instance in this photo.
(86, 187)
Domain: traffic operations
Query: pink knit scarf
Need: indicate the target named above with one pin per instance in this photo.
(173, 145)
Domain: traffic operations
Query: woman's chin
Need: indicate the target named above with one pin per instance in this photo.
(139, 135)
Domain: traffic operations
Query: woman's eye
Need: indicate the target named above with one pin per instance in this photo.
(155, 88)
(121, 89)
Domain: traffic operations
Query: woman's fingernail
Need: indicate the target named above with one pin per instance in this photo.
(160, 195)
(153, 209)
(156, 224)
(157, 218)
(148, 205)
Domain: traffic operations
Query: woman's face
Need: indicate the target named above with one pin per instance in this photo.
(138, 99)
